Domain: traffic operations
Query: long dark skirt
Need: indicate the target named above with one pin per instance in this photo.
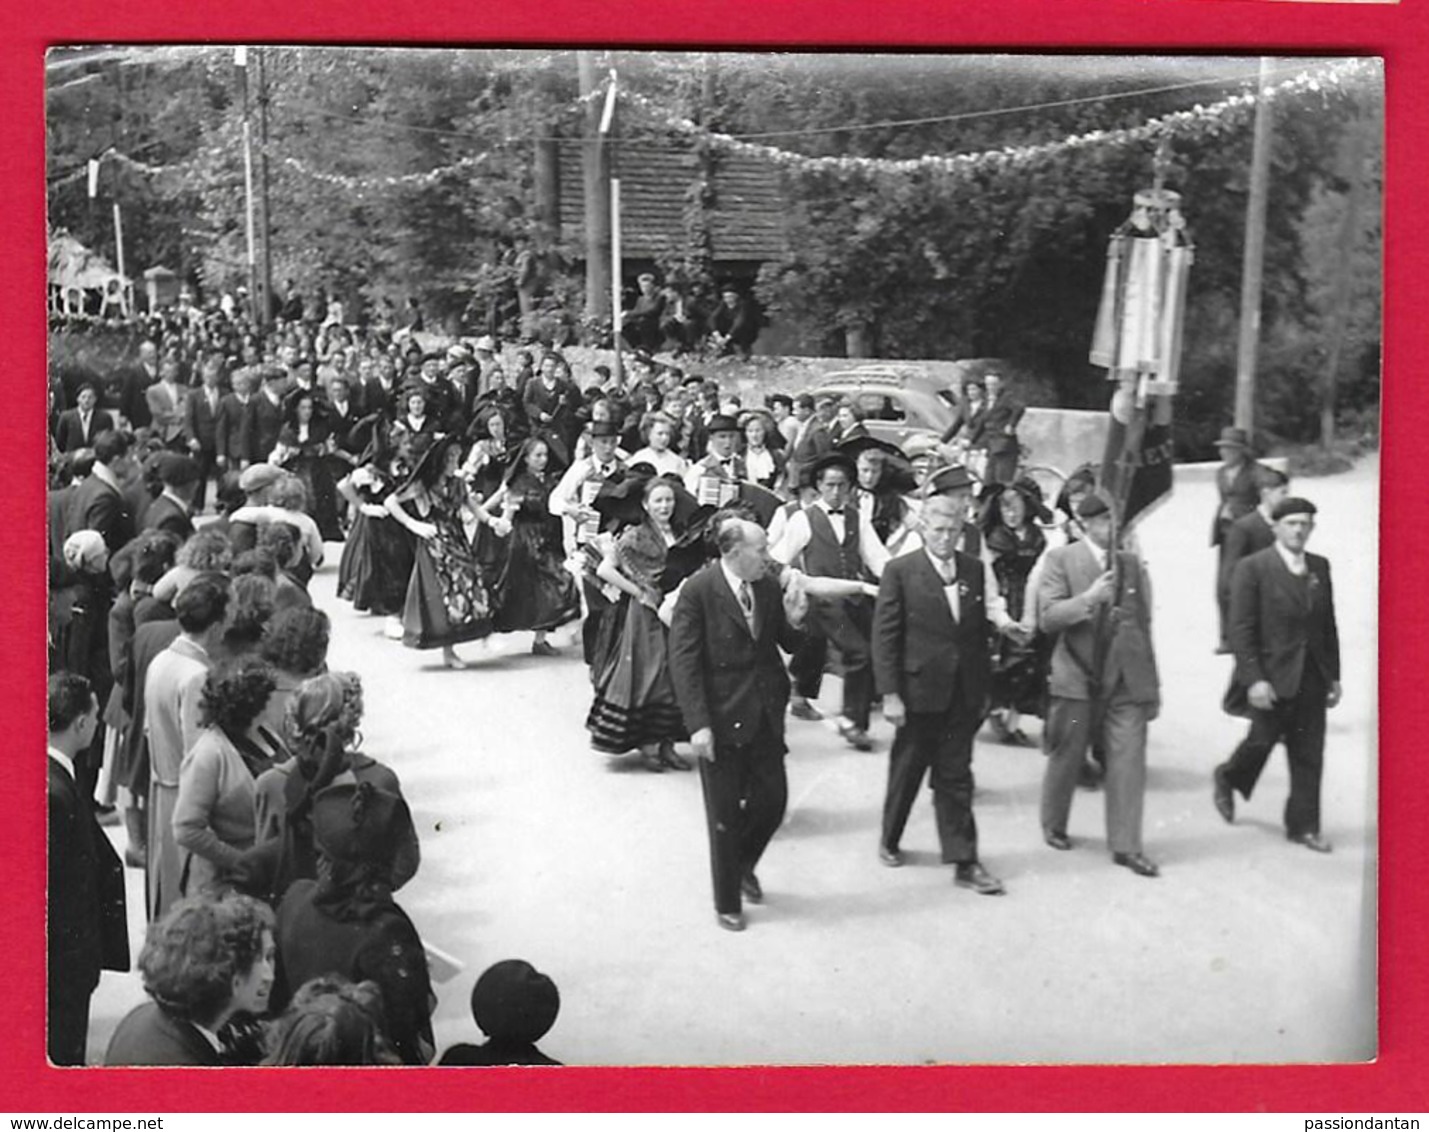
(376, 565)
(635, 703)
(446, 600)
(535, 589)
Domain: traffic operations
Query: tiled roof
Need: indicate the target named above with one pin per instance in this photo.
(746, 221)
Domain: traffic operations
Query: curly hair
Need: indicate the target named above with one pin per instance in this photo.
(250, 607)
(296, 640)
(288, 492)
(332, 1022)
(257, 562)
(281, 540)
(191, 956)
(234, 697)
(206, 550)
(333, 699)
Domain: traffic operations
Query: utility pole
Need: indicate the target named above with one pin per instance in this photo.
(264, 289)
(595, 170)
(240, 60)
(1253, 265)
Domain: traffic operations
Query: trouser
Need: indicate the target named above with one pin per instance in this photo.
(941, 743)
(67, 1012)
(1300, 723)
(806, 666)
(596, 605)
(847, 624)
(746, 792)
(207, 461)
(1067, 735)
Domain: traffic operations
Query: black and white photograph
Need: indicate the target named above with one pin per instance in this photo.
(680, 558)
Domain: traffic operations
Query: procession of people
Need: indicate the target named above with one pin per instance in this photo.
(711, 563)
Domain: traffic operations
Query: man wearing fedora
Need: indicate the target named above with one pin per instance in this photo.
(931, 625)
(1287, 674)
(715, 479)
(1238, 495)
(1103, 681)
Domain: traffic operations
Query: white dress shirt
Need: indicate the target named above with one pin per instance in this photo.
(797, 533)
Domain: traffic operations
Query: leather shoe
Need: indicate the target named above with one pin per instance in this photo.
(652, 762)
(1056, 839)
(749, 885)
(972, 875)
(1223, 794)
(730, 921)
(890, 857)
(801, 708)
(1311, 841)
(855, 736)
(1138, 863)
(1089, 775)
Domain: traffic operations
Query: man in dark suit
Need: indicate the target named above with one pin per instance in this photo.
(1287, 652)
(1238, 495)
(997, 431)
(86, 913)
(78, 427)
(1103, 681)
(201, 412)
(930, 661)
(233, 430)
(811, 440)
(98, 503)
(267, 417)
(1253, 531)
(172, 511)
(728, 626)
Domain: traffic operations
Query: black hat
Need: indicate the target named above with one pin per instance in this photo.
(1233, 438)
(358, 823)
(512, 1001)
(834, 459)
(721, 423)
(1093, 505)
(761, 501)
(955, 477)
(856, 446)
(1293, 505)
(603, 428)
(1031, 496)
(176, 470)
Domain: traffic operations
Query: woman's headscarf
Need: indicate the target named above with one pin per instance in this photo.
(86, 552)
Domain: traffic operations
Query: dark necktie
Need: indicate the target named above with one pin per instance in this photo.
(746, 603)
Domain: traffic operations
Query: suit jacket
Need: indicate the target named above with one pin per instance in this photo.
(1064, 610)
(996, 428)
(70, 433)
(1244, 537)
(201, 422)
(87, 926)
(166, 515)
(265, 423)
(167, 409)
(233, 430)
(724, 678)
(148, 1036)
(919, 652)
(808, 446)
(96, 506)
(1239, 495)
(1279, 621)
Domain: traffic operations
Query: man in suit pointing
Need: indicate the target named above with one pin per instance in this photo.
(930, 660)
(1287, 653)
(729, 623)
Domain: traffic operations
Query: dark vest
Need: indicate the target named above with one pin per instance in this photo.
(825, 556)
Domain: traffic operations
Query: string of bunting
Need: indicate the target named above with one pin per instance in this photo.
(1200, 120)
(426, 177)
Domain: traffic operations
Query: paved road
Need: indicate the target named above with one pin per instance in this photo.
(1247, 949)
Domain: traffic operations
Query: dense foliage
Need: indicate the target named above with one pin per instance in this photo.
(396, 173)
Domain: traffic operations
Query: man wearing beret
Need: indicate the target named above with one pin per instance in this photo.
(1103, 681)
(1287, 653)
